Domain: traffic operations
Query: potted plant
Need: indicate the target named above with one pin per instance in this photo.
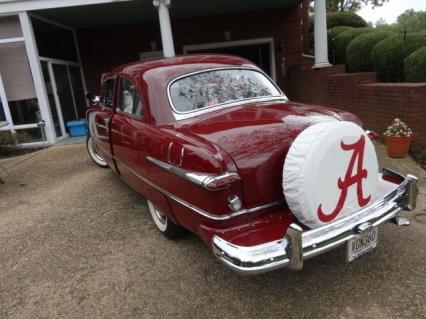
(398, 137)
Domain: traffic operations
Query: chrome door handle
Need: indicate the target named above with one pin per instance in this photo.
(106, 120)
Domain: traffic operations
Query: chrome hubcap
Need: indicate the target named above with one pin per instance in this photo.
(94, 152)
(161, 217)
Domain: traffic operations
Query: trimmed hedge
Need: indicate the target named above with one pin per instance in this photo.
(335, 19)
(359, 51)
(388, 55)
(342, 41)
(415, 66)
(331, 37)
(337, 30)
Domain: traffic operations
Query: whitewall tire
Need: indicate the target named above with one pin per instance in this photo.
(92, 149)
(164, 224)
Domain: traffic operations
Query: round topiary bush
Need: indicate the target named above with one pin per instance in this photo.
(414, 41)
(331, 37)
(388, 55)
(335, 19)
(337, 30)
(342, 41)
(359, 51)
(415, 66)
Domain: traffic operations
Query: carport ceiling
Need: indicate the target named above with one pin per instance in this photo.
(127, 12)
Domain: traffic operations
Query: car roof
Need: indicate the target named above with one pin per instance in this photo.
(155, 75)
(198, 61)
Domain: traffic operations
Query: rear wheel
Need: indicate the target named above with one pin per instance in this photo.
(164, 224)
(93, 151)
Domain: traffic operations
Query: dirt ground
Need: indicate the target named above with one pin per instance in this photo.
(77, 242)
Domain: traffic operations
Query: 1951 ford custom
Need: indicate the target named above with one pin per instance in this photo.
(217, 149)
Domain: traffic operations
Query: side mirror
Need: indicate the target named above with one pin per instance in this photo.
(89, 96)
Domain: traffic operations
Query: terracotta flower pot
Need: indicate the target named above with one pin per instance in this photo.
(398, 146)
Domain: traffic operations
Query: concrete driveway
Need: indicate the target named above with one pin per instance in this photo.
(77, 242)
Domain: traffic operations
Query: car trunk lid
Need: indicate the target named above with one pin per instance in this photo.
(257, 136)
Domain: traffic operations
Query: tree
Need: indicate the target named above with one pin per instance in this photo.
(349, 5)
(381, 23)
(343, 5)
(412, 21)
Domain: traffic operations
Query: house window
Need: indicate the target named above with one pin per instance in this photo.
(53, 41)
(2, 115)
(24, 111)
(29, 135)
(10, 27)
(18, 83)
(130, 100)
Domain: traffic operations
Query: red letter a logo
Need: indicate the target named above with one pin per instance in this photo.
(343, 185)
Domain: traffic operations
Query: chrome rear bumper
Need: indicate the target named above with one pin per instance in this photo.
(297, 245)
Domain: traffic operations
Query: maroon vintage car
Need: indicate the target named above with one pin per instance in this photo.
(217, 149)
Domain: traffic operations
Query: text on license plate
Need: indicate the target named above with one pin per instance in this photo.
(362, 243)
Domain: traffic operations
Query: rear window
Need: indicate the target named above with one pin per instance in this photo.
(216, 87)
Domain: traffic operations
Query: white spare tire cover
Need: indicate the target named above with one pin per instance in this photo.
(330, 172)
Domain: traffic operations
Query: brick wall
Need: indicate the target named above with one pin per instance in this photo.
(103, 48)
(377, 104)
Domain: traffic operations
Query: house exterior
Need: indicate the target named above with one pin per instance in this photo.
(53, 51)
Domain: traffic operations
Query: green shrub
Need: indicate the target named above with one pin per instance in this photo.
(335, 19)
(6, 141)
(359, 51)
(331, 37)
(342, 41)
(415, 66)
(388, 55)
(337, 30)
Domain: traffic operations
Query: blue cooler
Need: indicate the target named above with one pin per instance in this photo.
(77, 128)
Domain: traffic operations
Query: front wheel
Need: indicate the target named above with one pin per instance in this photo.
(164, 224)
(93, 151)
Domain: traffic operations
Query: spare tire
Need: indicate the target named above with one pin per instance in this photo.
(330, 172)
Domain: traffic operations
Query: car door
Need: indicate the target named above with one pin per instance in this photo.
(101, 119)
(132, 140)
(127, 132)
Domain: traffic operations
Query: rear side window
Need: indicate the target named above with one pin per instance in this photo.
(130, 100)
(107, 93)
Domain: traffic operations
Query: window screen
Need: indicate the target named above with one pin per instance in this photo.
(15, 72)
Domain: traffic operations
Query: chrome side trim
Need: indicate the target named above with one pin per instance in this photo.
(183, 115)
(195, 208)
(200, 179)
(297, 246)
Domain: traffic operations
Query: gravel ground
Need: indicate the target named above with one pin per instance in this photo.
(77, 242)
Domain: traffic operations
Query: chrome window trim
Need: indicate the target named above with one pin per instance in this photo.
(183, 115)
(118, 110)
(195, 208)
(200, 179)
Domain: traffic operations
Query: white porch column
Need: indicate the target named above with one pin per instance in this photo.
(320, 35)
(165, 27)
(37, 73)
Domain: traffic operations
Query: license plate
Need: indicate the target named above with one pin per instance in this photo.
(362, 243)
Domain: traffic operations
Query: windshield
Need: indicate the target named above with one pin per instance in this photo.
(215, 87)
